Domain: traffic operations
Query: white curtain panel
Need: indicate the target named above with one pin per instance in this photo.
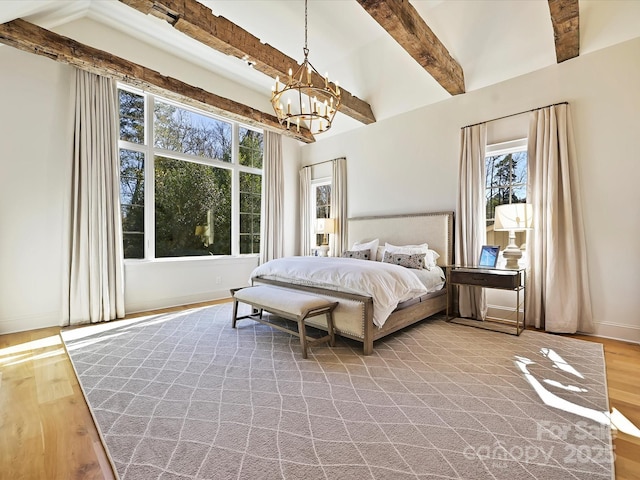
(339, 206)
(471, 225)
(272, 227)
(305, 211)
(558, 298)
(96, 270)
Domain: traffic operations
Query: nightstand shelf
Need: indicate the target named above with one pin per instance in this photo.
(514, 280)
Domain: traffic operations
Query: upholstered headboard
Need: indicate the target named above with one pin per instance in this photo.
(436, 229)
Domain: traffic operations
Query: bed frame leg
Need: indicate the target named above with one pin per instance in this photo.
(367, 346)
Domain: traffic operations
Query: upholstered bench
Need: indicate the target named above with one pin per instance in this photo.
(287, 304)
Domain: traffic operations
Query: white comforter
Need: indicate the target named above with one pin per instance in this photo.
(385, 283)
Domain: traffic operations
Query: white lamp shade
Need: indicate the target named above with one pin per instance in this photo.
(325, 225)
(513, 216)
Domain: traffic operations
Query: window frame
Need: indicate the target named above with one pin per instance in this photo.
(149, 151)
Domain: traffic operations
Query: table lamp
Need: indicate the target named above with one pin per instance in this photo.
(325, 226)
(513, 217)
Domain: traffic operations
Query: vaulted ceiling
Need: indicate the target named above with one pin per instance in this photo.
(390, 56)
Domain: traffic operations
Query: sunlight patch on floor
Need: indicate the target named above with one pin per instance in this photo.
(570, 388)
(39, 356)
(551, 399)
(81, 332)
(51, 341)
(623, 424)
(559, 362)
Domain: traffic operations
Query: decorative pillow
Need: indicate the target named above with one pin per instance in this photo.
(371, 246)
(415, 260)
(409, 250)
(380, 253)
(359, 254)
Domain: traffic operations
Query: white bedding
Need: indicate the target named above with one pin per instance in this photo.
(385, 283)
(432, 279)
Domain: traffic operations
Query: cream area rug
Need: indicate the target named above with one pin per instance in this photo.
(185, 396)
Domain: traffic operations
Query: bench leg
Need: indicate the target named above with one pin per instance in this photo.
(302, 332)
(332, 335)
(234, 318)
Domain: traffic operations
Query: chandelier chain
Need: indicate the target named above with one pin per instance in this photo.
(306, 48)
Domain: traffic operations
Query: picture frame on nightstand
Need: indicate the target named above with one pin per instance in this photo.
(489, 256)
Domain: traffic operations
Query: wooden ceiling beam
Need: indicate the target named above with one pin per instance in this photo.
(401, 20)
(200, 23)
(565, 17)
(34, 39)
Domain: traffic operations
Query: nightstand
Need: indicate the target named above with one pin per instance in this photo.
(511, 279)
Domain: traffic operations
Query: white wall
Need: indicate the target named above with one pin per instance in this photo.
(36, 133)
(409, 163)
(36, 140)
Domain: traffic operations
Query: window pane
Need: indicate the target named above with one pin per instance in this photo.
(251, 148)
(132, 202)
(519, 160)
(250, 205)
(184, 131)
(245, 203)
(323, 195)
(491, 206)
(256, 203)
(245, 243)
(133, 244)
(519, 194)
(193, 209)
(255, 243)
(322, 212)
(500, 168)
(245, 223)
(131, 117)
(489, 167)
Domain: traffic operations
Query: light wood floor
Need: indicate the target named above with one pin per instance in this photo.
(47, 432)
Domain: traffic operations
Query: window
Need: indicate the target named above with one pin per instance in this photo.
(190, 182)
(321, 204)
(250, 204)
(506, 182)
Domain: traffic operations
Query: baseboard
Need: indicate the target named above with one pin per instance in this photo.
(617, 331)
(169, 302)
(499, 312)
(614, 331)
(22, 323)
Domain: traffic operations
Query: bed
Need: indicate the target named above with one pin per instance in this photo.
(354, 316)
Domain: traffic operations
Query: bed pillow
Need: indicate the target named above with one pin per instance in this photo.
(431, 259)
(372, 246)
(359, 254)
(414, 260)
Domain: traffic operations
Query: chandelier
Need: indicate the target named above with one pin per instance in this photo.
(307, 99)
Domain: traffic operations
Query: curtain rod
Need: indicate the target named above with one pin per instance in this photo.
(519, 113)
(320, 163)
